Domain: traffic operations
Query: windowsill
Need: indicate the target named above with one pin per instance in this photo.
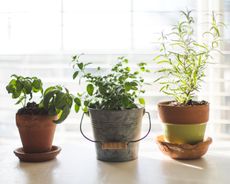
(77, 164)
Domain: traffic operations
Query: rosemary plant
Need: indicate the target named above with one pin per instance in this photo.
(183, 59)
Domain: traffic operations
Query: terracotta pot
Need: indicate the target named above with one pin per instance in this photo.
(183, 124)
(191, 114)
(36, 132)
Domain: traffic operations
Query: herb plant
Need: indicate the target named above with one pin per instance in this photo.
(22, 88)
(120, 89)
(184, 60)
(56, 100)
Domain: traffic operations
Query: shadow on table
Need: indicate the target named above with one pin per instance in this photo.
(117, 172)
(210, 169)
(159, 169)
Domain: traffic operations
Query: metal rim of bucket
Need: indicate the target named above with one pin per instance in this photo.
(127, 143)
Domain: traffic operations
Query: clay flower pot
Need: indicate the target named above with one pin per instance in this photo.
(183, 124)
(36, 132)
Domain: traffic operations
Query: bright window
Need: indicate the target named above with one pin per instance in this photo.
(39, 37)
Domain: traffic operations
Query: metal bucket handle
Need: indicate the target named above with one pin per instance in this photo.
(116, 145)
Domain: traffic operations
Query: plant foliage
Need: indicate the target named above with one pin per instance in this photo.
(56, 100)
(184, 59)
(117, 90)
(22, 88)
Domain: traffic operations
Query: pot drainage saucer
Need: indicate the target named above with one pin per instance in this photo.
(183, 151)
(37, 157)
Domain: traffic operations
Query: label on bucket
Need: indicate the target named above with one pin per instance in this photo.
(114, 145)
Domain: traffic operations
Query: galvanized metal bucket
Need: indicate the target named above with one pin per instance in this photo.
(116, 133)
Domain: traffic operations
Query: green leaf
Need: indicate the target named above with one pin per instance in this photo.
(59, 100)
(48, 96)
(86, 64)
(80, 66)
(63, 115)
(133, 84)
(128, 86)
(16, 94)
(75, 74)
(27, 86)
(125, 60)
(15, 76)
(77, 101)
(52, 111)
(102, 90)
(156, 58)
(74, 58)
(85, 109)
(86, 103)
(200, 45)
(52, 88)
(128, 69)
(125, 101)
(163, 61)
(90, 89)
(37, 84)
(77, 108)
(69, 100)
(142, 64)
(10, 88)
(165, 70)
(159, 78)
(18, 85)
(142, 101)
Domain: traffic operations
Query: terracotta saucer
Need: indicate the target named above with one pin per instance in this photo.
(37, 157)
(183, 151)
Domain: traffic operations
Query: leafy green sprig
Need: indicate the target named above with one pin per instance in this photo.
(56, 100)
(22, 88)
(120, 89)
(183, 59)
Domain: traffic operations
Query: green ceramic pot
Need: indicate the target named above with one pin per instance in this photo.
(184, 133)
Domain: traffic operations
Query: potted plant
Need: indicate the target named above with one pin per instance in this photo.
(36, 122)
(183, 62)
(114, 105)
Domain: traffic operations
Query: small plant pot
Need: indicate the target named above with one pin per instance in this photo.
(183, 124)
(36, 132)
(116, 133)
